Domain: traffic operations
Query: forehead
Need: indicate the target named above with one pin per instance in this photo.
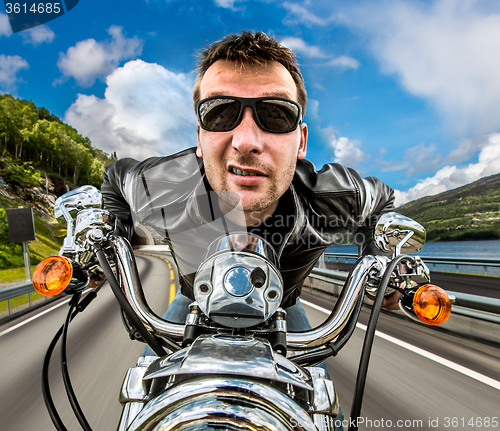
(248, 80)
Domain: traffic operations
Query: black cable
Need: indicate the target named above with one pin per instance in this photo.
(346, 333)
(124, 304)
(332, 349)
(64, 368)
(47, 397)
(310, 359)
(368, 342)
(49, 402)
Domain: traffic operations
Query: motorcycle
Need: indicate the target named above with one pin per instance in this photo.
(233, 365)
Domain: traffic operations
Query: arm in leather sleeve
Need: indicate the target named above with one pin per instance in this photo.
(381, 198)
(114, 198)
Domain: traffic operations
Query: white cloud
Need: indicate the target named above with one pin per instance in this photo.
(305, 16)
(10, 65)
(451, 177)
(37, 35)
(347, 152)
(465, 149)
(5, 29)
(227, 4)
(313, 110)
(299, 46)
(146, 111)
(89, 60)
(445, 52)
(421, 158)
(344, 62)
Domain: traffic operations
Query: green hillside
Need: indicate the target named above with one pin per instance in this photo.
(41, 158)
(32, 135)
(466, 213)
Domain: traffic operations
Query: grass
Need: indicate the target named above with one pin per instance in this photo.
(49, 238)
(14, 274)
(44, 245)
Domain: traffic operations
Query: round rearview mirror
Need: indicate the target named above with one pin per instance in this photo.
(67, 206)
(395, 232)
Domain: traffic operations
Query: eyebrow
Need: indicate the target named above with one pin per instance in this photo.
(278, 94)
(267, 94)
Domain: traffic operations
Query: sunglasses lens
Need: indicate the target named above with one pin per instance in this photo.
(277, 115)
(219, 115)
(273, 115)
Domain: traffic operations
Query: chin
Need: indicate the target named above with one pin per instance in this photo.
(257, 206)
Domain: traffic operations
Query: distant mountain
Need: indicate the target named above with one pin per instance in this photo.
(465, 213)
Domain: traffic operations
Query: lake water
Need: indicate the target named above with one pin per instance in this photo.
(462, 249)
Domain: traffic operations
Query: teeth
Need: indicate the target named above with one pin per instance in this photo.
(243, 173)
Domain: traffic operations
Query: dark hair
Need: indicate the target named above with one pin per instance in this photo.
(250, 48)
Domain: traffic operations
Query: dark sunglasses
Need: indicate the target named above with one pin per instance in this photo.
(272, 114)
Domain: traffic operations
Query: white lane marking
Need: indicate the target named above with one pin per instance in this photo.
(447, 363)
(34, 317)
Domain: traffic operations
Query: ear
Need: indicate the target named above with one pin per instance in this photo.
(303, 141)
(198, 148)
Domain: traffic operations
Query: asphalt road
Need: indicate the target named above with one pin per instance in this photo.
(402, 385)
(413, 385)
(99, 354)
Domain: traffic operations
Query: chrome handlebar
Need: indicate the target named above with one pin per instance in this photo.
(393, 232)
(341, 313)
(316, 337)
(135, 294)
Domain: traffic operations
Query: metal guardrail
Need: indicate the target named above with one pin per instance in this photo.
(457, 261)
(462, 261)
(478, 307)
(11, 292)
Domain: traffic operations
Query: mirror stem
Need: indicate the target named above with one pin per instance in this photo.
(397, 250)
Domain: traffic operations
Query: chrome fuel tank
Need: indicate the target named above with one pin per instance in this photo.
(227, 382)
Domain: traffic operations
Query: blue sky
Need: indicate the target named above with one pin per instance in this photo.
(406, 90)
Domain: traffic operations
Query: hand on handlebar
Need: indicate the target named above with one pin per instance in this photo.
(391, 302)
(96, 279)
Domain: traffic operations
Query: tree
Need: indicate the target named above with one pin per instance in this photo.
(34, 135)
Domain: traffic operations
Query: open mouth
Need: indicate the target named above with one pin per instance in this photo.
(242, 173)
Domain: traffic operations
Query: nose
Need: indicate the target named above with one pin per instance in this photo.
(247, 136)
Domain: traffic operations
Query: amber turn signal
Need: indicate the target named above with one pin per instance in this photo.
(52, 275)
(431, 304)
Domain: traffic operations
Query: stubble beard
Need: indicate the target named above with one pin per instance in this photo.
(233, 200)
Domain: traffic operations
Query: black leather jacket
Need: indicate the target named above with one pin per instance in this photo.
(171, 194)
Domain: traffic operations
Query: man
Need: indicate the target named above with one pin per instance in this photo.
(250, 100)
(249, 171)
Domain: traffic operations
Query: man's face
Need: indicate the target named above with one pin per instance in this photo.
(247, 148)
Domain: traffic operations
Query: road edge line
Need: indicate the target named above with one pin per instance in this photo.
(426, 354)
(12, 328)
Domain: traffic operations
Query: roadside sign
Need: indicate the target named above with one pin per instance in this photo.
(21, 224)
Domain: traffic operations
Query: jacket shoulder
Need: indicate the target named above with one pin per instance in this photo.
(178, 165)
(332, 178)
(337, 188)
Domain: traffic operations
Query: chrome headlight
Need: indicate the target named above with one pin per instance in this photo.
(238, 284)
